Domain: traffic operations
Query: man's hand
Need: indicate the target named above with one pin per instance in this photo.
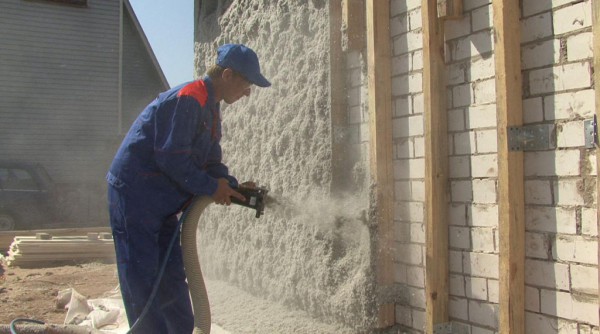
(225, 192)
(248, 184)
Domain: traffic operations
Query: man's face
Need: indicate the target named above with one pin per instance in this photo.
(236, 88)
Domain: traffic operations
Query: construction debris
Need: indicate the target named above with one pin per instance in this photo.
(44, 249)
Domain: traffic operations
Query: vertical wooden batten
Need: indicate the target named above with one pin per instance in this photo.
(381, 149)
(596, 46)
(436, 167)
(511, 220)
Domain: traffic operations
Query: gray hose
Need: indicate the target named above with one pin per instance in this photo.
(191, 263)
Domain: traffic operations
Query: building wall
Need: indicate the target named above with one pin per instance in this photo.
(560, 182)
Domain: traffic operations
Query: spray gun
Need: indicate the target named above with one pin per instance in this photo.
(255, 199)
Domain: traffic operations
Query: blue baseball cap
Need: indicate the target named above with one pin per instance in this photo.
(243, 60)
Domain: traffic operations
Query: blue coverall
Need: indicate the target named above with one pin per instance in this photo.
(170, 154)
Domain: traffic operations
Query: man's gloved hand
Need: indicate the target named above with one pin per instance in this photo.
(225, 192)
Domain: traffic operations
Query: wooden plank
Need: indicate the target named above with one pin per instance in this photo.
(6, 238)
(436, 166)
(381, 149)
(510, 167)
(596, 45)
(353, 22)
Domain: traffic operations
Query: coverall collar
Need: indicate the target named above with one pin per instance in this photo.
(211, 94)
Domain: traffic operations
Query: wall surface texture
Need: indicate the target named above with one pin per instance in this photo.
(314, 251)
(310, 251)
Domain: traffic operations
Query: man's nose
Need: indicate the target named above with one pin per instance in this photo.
(247, 91)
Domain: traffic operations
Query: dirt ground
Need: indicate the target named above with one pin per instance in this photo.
(31, 293)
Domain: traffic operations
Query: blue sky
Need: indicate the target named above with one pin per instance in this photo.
(169, 27)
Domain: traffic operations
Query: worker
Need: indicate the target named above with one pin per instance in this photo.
(170, 154)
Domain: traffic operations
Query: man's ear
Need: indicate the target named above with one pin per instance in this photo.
(227, 74)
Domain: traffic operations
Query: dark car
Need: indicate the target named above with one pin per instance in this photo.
(26, 196)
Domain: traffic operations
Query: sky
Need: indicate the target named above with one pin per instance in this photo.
(169, 27)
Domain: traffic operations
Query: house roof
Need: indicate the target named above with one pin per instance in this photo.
(142, 35)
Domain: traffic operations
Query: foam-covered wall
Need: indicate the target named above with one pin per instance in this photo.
(310, 251)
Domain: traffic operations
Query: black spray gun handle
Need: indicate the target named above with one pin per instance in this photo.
(255, 199)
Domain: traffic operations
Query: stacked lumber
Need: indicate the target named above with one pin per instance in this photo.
(7, 237)
(45, 249)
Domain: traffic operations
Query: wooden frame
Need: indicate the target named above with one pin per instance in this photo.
(381, 150)
(596, 46)
(353, 20)
(436, 166)
(510, 167)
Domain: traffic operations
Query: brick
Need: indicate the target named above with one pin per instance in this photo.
(401, 64)
(456, 285)
(482, 313)
(471, 4)
(404, 148)
(402, 106)
(589, 222)
(487, 141)
(458, 308)
(419, 143)
(472, 45)
(456, 120)
(575, 249)
(417, 190)
(569, 191)
(418, 104)
(457, 28)
(455, 262)
(485, 91)
(462, 95)
(536, 27)
(552, 163)
(534, 7)
(398, 25)
(461, 191)
(411, 253)
(540, 54)
(538, 192)
(551, 219)
(353, 59)
(532, 299)
(457, 214)
(584, 279)
(570, 134)
(482, 215)
(402, 6)
(481, 265)
(574, 105)
(482, 18)
(414, 19)
(409, 168)
(476, 288)
(536, 245)
(419, 318)
(565, 305)
(417, 297)
(560, 78)
(493, 290)
(533, 110)
(484, 191)
(400, 272)
(355, 115)
(408, 42)
(483, 240)
(407, 126)
(572, 18)
(403, 315)
(416, 276)
(579, 47)
(485, 165)
(408, 211)
(417, 60)
(481, 116)
(459, 167)
(464, 142)
(402, 190)
(541, 324)
(459, 237)
(456, 74)
(546, 274)
(480, 330)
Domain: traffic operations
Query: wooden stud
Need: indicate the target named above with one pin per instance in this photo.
(596, 45)
(381, 149)
(353, 16)
(507, 46)
(436, 166)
